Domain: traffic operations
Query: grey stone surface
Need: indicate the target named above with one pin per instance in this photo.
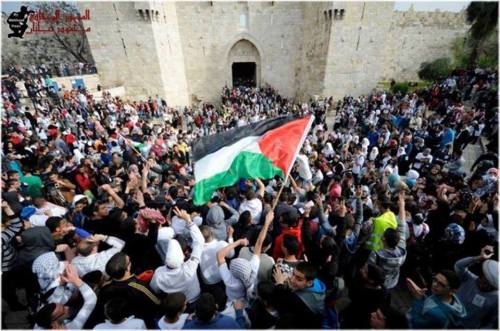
(183, 51)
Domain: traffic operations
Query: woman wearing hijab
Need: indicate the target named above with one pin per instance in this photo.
(373, 153)
(403, 160)
(328, 151)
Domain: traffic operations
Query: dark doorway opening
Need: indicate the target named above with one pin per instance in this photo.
(244, 73)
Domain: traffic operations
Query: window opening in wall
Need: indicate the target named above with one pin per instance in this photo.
(243, 21)
(330, 14)
(342, 11)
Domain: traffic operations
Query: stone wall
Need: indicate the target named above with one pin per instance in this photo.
(357, 48)
(35, 49)
(209, 31)
(310, 72)
(183, 51)
(136, 44)
(418, 37)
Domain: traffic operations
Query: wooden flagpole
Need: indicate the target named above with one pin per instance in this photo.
(275, 202)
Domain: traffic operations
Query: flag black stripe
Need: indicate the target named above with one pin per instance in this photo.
(209, 144)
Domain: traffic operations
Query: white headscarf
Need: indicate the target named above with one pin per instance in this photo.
(365, 142)
(401, 151)
(175, 255)
(373, 153)
(328, 150)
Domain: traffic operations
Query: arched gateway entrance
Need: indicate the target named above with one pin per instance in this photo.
(244, 64)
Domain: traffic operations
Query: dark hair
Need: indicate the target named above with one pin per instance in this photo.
(173, 304)
(291, 244)
(329, 246)
(250, 194)
(391, 237)
(254, 234)
(117, 265)
(245, 218)
(93, 278)
(231, 192)
(451, 277)
(385, 203)
(394, 319)
(173, 192)
(284, 196)
(11, 173)
(53, 223)
(265, 291)
(205, 307)
(291, 219)
(116, 310)
(308, 269)
(43, 316)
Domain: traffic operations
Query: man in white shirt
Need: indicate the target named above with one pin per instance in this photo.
(422, 159)
(253, 204)
(89, 259)
(177, 275)
(208, 265)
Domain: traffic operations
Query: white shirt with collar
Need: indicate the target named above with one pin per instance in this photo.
(98, 261)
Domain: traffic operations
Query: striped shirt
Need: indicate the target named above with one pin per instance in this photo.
(9, 253)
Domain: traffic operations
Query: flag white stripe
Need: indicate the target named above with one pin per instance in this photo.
(221, 160)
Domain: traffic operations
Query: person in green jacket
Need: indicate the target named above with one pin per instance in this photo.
(385, 220)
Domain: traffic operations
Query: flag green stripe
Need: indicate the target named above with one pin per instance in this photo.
(246, 165)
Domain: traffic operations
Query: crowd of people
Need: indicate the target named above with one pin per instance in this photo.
(60, 69)
(99, 228)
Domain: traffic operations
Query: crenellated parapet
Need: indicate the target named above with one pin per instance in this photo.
(431, 19)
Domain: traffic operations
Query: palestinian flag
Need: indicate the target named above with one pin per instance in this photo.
(259, 150)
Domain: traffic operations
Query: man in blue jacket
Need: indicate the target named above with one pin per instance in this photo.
(443, 309)
(301, 302)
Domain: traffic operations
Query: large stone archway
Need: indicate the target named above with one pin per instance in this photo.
(243, 54)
